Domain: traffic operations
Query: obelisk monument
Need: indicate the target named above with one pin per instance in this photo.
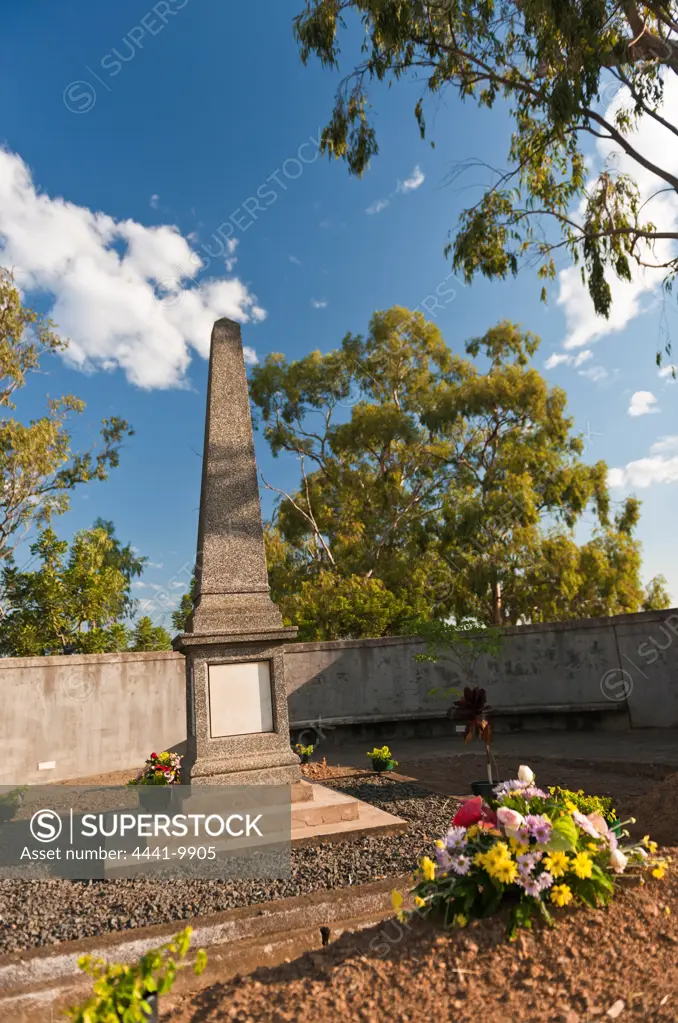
(236, 701)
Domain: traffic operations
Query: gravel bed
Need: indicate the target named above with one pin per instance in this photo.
(34, 913)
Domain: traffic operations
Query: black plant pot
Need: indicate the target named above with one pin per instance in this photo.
(153, 1002)
(9, 806)
(7, 811)
(483, 788)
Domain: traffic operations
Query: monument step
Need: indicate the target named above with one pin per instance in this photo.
(325, 807)
(302, 792)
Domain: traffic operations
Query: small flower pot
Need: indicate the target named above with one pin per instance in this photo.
(483, 788)
(304, 757)
(153, 1002)
(383, 765)
(9, 805)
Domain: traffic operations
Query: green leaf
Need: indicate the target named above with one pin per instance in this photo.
(563, 835)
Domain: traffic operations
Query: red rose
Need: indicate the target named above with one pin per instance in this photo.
(154, 756)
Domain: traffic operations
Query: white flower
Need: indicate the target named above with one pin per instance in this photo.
(511, 819)
(618, 861)
(525, 775)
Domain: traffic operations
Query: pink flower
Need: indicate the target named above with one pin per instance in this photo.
(510, 819)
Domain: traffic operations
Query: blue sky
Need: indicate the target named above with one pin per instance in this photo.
(141, 129)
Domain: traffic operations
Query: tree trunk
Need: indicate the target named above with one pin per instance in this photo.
(497, 616)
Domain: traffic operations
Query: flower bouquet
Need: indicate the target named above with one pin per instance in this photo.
(526, 850)
(161, 772)
(160, 769)
(382, 759)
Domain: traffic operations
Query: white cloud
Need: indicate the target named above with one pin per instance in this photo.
(139, 585)
(559, 358)
(660, 466)
(319, 303)
(415, 180)
(154, 564)
(642, 403)
(104, 278)
(378, 206)
(668, 373)
(629, 299)
(155, 199)
(594, 373)
(293, 259)
(231, 260)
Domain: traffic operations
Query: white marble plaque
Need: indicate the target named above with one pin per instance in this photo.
(240, 698)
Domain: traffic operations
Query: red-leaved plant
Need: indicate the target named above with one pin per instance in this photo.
(474, 709)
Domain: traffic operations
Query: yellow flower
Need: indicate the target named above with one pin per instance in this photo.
(460, 920)
(419, 902)
(659, 871)
(557, 863)
(439, 844)
(649, 844)
(396, 900)
(428, 869)
(667, 910)
(570, 805)
(505, 871)
(518, 848)
(561, 894)
(472, 831)
(582, 865)
(593, 847)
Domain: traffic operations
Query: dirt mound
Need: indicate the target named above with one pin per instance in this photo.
(657, 811)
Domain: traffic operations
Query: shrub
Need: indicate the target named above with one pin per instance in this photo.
(121, 991)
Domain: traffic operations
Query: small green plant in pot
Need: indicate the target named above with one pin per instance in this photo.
(303, 752)
(130, 993)
(382, 759)
(10, 803)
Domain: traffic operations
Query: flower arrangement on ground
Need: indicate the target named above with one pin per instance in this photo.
(382, 759)
(530, 851)
(160, 769)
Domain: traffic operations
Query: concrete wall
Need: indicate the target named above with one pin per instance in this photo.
(100, 713)
(87, 714)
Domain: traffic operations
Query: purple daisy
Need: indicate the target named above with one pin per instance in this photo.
(539, 827)
(456, 838)
(545, 880)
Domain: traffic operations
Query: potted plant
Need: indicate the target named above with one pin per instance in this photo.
(473, 709)
(131, 993)
(382, 759)
(303, 752)
(161, 771)
(10, 803)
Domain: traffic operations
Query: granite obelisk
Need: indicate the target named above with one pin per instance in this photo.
(238, 729)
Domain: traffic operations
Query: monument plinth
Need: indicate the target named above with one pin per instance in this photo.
(236, 701)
